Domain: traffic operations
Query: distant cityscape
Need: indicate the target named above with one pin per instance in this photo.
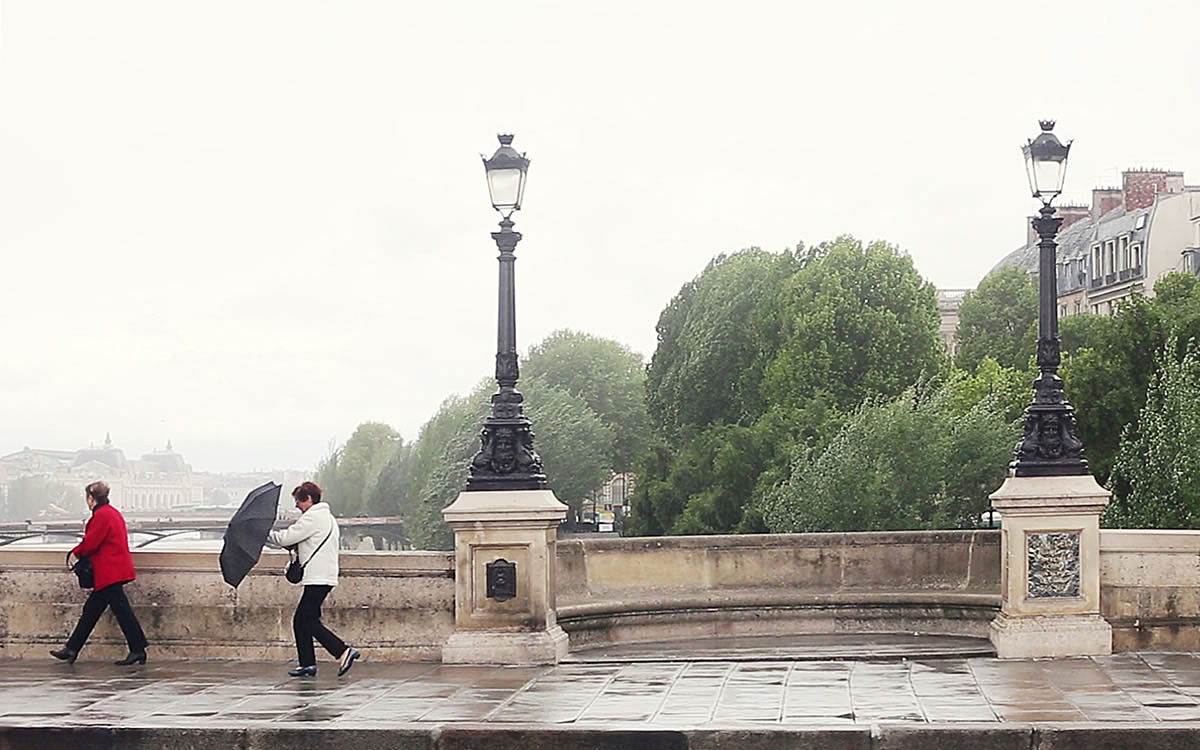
(158, 484)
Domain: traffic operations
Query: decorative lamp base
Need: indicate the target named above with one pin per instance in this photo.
(1050, 636)
(510, 649)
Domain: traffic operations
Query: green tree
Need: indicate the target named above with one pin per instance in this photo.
(1156, 478)
(858, 322)
(1011, 389)
(912, 462)
(434, 467)
(790, 357)
(999, 320)
(714, 340)
(386, 494)
(348, 473)
(573, 442)
(607, 375)
(1108, 368)
(705, 487)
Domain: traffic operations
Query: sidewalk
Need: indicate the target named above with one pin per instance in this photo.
(1133, 697)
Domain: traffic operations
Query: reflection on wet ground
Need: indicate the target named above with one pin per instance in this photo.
(1135, 687)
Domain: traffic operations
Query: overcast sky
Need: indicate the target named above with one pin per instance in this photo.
(248, 226)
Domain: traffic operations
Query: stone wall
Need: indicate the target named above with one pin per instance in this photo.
(1150, 589)
(637, 589)
(394, 605)
(400, 605)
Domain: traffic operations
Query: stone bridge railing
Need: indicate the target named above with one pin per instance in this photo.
(618, 590)
(400, 605)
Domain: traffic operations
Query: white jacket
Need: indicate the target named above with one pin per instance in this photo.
(308, 532)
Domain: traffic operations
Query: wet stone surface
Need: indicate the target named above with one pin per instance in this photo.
(1142, 688)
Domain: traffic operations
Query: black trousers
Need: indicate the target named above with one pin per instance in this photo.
(110, 596)
(306, 624)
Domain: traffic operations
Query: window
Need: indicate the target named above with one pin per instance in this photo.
(1123, 251)
(1110, 257)
(1140, 222)
(1136, 251)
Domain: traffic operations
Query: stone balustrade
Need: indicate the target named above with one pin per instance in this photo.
(637, 589)
(396, 605)
(1150, 589)
(400, 605)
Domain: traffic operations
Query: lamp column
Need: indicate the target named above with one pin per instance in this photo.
(506, 522)
(1049, 505)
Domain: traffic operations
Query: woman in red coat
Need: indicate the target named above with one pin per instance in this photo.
(106, 542)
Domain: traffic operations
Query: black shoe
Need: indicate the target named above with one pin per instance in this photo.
(303, 672)
(348, 660)
(135, 657)
(65, 654)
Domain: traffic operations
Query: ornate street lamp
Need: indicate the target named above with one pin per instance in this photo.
(1050, 446)
(506, 459)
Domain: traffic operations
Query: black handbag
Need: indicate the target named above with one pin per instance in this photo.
(83, 571)
(295, 569)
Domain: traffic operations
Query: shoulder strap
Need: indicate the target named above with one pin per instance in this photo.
(319, 546)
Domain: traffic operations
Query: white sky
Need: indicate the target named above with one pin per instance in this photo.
(248, 226)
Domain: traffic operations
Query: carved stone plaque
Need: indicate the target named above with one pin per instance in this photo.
(501, 580)
(1053, 560)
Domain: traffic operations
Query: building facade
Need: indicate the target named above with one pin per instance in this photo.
(948, 301)
(158, 481)
(1127, 239)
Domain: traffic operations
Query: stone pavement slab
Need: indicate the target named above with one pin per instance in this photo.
(1139, 698)
(1146, 688)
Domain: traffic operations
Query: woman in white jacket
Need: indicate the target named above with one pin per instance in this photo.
(315, 538)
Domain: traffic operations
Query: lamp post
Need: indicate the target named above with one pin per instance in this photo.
(506, 459)
(1050, 446)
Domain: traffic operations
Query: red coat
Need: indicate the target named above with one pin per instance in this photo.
(106, 541)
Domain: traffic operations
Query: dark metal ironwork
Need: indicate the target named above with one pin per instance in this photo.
(506, 459)
(501, 578)
(1051, 445)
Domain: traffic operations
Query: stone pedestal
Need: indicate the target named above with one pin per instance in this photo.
(504, 605)
(1050, 568)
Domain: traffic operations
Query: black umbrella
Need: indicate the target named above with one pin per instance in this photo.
(247, 532)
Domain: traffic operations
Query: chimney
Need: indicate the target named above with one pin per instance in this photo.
(1068, 213)
(1104, 200)
(1140, 186)
(1073, 213)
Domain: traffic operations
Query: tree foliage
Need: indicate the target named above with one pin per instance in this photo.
(1156, 477)
(348, 473)
(607, 375)
(575, 443)
(714, 341)
(913, 462)
(1110, 361)
(998, 320)
(858, 322)
(763, 354)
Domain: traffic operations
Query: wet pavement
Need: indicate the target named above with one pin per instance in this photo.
(1142, 688)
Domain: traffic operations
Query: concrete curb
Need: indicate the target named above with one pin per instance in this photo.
(498, 737)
